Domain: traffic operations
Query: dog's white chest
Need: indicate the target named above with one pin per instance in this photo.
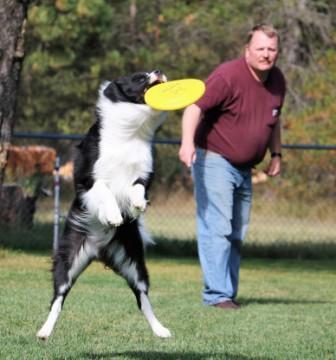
(119, 166)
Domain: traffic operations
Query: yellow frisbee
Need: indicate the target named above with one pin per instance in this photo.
(174, 95)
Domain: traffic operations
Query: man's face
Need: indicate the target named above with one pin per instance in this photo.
(262, 52)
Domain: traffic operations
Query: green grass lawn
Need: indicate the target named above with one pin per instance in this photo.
(289, 312)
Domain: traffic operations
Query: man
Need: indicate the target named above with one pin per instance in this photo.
(224, 135)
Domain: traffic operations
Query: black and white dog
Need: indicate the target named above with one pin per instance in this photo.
(112, 172)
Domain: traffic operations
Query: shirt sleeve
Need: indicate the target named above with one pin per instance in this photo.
(284, 90)
(283, 87)
(217, 91)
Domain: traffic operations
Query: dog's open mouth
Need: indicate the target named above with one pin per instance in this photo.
(156, 77)
(156, 82)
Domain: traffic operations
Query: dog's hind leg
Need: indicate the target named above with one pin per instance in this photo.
(145, 306)
(126, 257)
(68, 265)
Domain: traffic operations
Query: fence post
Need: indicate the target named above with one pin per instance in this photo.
(56, 202)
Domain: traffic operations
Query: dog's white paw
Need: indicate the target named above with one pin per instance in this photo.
(137, 197)
(43, 334)
(161, 331)
(140, 205)
(110, 217)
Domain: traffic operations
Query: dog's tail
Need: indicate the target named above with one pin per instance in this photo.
(146, 236)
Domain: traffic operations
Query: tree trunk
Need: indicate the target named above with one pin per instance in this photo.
(13, 14)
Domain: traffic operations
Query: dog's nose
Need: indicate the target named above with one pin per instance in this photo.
(158, 75)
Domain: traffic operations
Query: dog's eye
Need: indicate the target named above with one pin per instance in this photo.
(140, 78)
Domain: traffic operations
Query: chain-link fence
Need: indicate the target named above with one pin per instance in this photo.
(294, 210)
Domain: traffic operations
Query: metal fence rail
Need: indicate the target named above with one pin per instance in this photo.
(55, 136)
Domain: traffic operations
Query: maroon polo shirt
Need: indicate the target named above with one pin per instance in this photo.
(239, 112)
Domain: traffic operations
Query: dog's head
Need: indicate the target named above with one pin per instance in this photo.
(132, 88)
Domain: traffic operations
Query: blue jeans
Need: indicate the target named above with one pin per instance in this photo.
(223, 199)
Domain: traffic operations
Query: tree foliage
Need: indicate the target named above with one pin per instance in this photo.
(73, 45)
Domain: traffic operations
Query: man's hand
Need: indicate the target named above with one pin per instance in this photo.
(274, 167)
(187, 154)
(190, 120)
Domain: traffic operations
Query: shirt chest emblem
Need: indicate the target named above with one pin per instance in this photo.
(275, 112)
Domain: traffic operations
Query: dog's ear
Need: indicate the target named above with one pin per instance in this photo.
(113, 91)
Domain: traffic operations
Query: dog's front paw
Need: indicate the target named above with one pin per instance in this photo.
(140, 205)
(110, 217)
(137, 197)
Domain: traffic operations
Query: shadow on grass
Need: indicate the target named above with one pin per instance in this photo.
(39, 239)
(282, 249)
(279, 301)
(159, 355)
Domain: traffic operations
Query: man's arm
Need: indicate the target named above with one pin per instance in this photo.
(274, 166)
(190, 120)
